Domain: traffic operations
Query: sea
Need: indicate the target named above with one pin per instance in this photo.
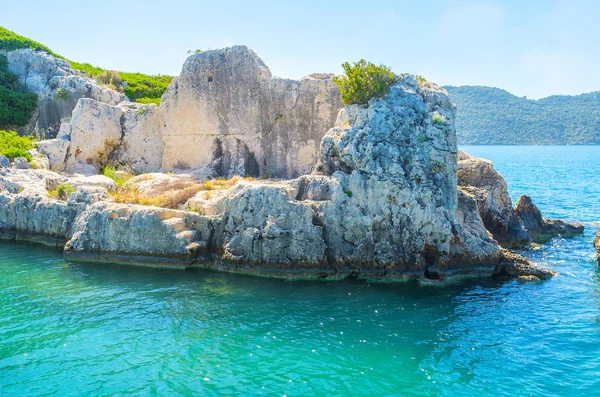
(80, 329)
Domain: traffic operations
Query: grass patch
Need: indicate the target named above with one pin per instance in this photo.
(12, 145)
(172, 195)
(62, 192)
(10, 41)
(116, 176)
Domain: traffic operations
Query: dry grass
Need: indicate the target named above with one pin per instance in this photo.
(173, 195)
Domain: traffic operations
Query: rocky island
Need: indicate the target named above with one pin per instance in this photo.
(240, 171)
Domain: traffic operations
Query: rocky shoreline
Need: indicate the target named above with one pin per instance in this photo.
(384, 194)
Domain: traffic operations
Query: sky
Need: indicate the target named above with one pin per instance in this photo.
(530, 48)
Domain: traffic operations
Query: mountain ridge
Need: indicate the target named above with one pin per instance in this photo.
(494, 116)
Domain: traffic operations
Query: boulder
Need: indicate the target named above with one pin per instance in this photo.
(21, 163)
(541, 229)
(480, 179)
(95, 131)
(517, 266)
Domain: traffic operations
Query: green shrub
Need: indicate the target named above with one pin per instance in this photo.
(16, 103)
(148, 100)
(62, 192)
(111, 172)
(61, 93)
(363, 81)
(421, 80)
(12, 145)
(89, 69)
(438, 119)
(145, 86)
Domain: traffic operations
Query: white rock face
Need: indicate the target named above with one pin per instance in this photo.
(58, 88)
(226, 113)
(128, 134)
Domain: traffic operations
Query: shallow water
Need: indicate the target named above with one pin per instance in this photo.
(108, 330)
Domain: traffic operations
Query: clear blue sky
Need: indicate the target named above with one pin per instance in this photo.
(531, 48)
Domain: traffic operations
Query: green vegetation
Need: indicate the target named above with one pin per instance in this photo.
(62, 192)
(348, 193)
(488, 116)
(16, 103)
(13, 145)
(422, 80)
(11, 41)
(61, 93)
(138, 87)
(438, 119)
(363, 81)
(118, 177)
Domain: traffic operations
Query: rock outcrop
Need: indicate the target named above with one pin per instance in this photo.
(99, 134)
(542, 229)
(225, 115)
(382, 202)
(226, 112)
(478, 178)
(511, 227)
(58, 88)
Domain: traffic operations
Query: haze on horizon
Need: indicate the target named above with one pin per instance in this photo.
(535, 48)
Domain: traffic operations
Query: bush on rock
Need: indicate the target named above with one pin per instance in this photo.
(363, 81)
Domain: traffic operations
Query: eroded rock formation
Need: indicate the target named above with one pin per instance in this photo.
(58, 88)
(224, 115)
(511, 227)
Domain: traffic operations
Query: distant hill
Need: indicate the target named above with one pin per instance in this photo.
(487, 115)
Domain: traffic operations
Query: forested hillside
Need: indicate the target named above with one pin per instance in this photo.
(487, 115)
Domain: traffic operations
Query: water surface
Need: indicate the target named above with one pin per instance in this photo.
(108, 330)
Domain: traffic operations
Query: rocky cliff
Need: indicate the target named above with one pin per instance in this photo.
(58, 88)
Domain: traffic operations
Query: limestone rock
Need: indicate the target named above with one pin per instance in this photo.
(597, 245)
(21, 163)
(141, 147)
(55, 150)
(150, 235)
(480, 179)
(4, 161)
(227, 114)
(542, 229)
(517, 266)
(95, 131)
(58, 88)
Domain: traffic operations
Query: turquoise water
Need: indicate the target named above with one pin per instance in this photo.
(107, 330)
